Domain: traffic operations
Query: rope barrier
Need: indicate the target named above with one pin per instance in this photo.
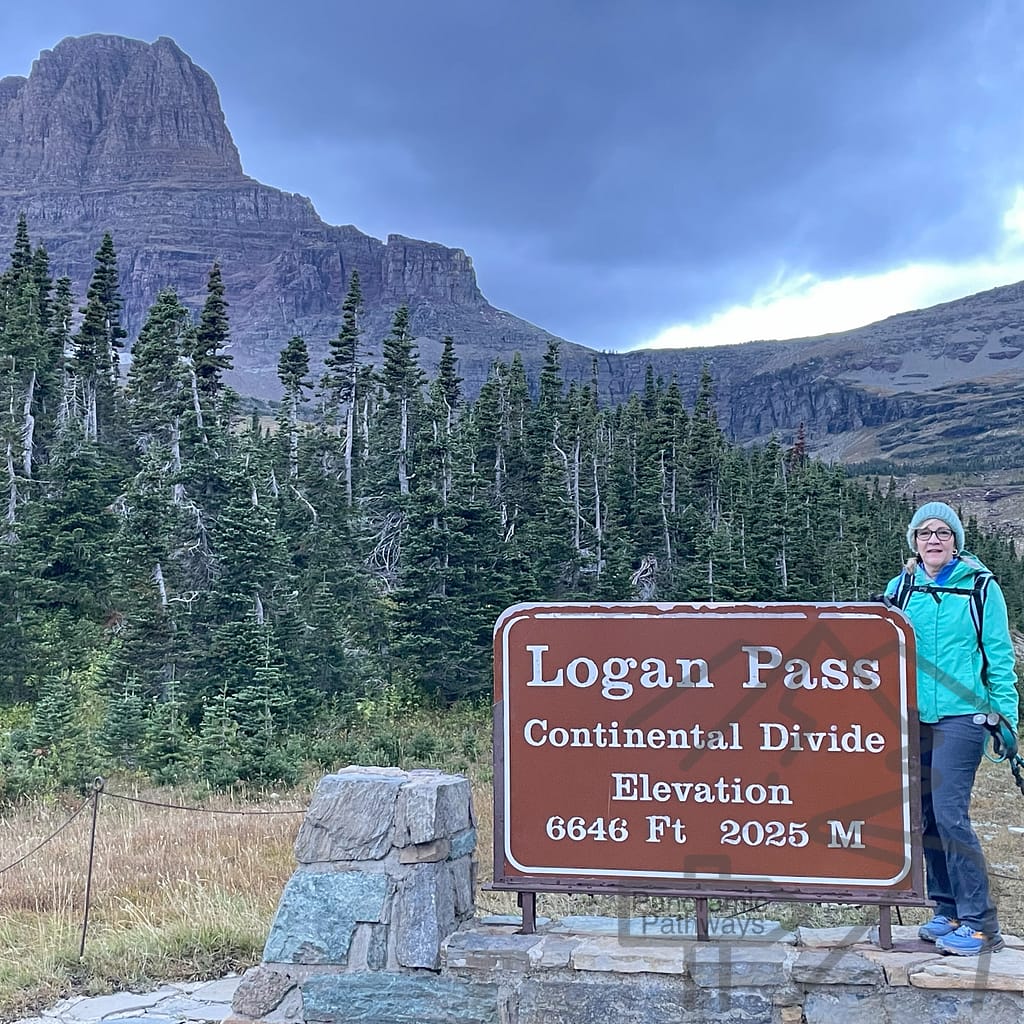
(51, 836)
(185, 807)
(89, 801)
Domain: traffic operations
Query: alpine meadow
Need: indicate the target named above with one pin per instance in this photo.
(198, 594)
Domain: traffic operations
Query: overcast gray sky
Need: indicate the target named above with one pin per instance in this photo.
(621, 172)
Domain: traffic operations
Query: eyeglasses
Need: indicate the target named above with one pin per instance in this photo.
(942, 533)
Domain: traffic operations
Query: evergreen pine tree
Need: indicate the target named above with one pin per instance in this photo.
(156, 390)
(342, 381)
(402, 379)
(293, 372)
(210, 358)
(97, 343)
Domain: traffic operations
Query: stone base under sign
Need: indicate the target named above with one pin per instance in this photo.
(490, 973)
(376, 927)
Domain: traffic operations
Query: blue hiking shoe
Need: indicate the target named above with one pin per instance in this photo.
(965, 941)
(938, 926)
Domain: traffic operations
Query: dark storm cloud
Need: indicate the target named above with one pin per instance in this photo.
(615, 167)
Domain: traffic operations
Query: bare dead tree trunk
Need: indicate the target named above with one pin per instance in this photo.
(499, 463)
(12, 487)
(403, 448)
(673, 486)
(161, 586)
(293, 439)
(577, 505)
(598, 522)
(196, 405)
(28, 428)
(365, 428)
(68, 407)
(305, 501)
(666, 530)
(350, 429)
(178, 491)
(91, 424)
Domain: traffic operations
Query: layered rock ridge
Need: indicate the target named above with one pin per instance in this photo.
(119, 135)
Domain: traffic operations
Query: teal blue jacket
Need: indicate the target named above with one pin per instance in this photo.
(949, 662)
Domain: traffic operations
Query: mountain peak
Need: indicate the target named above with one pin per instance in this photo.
(103, 110)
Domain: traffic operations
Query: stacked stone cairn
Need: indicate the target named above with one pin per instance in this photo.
(386, 873)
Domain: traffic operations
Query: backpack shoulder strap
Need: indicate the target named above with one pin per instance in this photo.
(981, 581)
(904, 589)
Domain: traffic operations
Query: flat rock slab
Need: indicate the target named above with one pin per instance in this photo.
(495, 950)
(351, 816)
(97, 1007)
(1000, 972)
(666, 926)
(318, 913)
(902, 933)
(220, 991)
(608, 953)
(187, 1012)
(830, 938)
(580, 924)
(556, 951)
(512, 920)
(898, 964)
(835, 967)
(163, 1018)
(720, 929)
(738, 965)
(913, 946)
(379, 998)
(202, 1002)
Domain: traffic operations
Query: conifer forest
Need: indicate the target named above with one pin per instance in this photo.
(195, 592)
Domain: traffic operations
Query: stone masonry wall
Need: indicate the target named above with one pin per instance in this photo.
(377, 926)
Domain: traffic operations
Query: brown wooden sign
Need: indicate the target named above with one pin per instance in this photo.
(719, 748)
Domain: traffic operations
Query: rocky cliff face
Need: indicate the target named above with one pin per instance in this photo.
(107, 111)
(113, 134)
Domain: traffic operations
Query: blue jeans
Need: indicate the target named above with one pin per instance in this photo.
(951, 750)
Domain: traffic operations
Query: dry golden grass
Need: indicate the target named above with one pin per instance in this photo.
(180, 894)
(175, 894)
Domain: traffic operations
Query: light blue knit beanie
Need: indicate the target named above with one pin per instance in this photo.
(936, 510)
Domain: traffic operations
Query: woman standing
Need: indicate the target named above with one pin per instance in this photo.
(964, 671)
